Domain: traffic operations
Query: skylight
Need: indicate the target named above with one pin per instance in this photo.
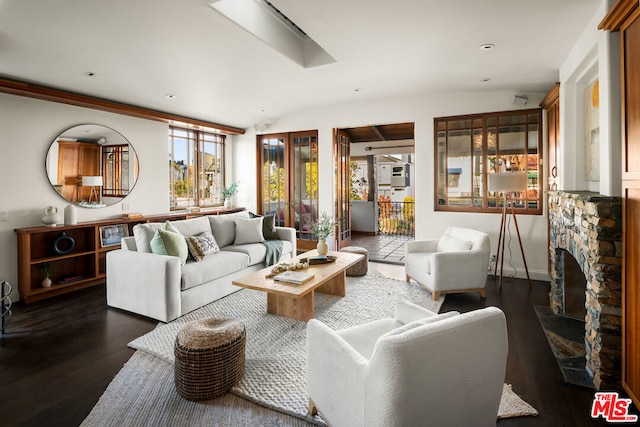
(262, 19)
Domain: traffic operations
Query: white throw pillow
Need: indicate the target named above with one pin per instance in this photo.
(452, 244)
(248, 231)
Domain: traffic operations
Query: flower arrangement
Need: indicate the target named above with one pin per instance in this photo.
(230, 191)
(323, 228)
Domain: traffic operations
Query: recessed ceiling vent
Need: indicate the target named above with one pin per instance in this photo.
(285, 20)
(262, 19)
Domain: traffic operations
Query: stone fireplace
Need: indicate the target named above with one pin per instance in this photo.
(588, 226)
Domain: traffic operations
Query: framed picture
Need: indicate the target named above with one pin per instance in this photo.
(110, 235)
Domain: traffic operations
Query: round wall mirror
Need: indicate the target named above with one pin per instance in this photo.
(92, 166)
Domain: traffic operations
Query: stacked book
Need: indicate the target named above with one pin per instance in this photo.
(295, 277)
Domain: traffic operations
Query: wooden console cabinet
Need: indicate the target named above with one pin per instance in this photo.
(83, 266)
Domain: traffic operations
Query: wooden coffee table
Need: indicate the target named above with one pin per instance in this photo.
(297, 301)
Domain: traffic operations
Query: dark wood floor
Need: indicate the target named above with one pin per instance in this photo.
(58, 356)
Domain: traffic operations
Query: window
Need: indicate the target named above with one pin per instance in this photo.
(469, 147)
(196, 168)
(115, 170)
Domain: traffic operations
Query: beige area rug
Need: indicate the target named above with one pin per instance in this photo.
(275, 361)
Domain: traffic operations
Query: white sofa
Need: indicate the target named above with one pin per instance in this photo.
(419, 369)
(456, 262)
(158, 286)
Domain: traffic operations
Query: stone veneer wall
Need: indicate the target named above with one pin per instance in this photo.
(589, 227)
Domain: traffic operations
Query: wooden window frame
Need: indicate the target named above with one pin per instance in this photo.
(483, 118)
(198, 137)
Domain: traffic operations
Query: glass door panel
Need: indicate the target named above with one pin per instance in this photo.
(289, 182)
(274, 179)
(305, 187)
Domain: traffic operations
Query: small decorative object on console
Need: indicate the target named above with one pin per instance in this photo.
(63, 244)
(110, 235)
(46, 271)
(51, 217)
(70, 215)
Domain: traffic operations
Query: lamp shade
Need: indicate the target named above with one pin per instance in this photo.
(507, 181)
(91, 181)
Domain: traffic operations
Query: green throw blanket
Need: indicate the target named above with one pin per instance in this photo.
(274, 252)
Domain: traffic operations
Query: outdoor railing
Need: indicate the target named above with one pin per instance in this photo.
(396, 218)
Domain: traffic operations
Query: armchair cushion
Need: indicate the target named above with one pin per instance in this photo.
(417, 374)
(456, 263)
(452, 244)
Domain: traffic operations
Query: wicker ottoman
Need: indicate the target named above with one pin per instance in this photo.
(362, 266)
(209, 358)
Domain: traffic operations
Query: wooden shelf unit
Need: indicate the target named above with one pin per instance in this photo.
(87, 260)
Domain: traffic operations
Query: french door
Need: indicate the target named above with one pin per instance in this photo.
(288, 181)
(343, 187)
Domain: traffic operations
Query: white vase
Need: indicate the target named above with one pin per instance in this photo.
(227, 203)
(51, 216)
(323, 248)
(46, 282)
(70, 215)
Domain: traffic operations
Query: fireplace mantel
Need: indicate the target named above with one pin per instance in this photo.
(588, 226)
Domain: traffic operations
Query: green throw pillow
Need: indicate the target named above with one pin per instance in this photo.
(170, 227)
(166, 242)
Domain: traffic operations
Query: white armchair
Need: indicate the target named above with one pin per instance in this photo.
(443, 369)
(456, 262)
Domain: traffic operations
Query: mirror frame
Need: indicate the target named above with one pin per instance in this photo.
(88, 141)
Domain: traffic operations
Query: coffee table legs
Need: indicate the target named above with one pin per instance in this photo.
(303, 308)
(334, 286)
(298, 308)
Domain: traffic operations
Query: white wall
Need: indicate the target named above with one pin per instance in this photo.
(28, 128)
(421, 110)
(595, 55)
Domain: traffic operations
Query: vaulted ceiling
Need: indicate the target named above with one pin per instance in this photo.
(140, 51)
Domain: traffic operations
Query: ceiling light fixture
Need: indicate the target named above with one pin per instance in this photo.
(487, 46)
(89, 74)
(485, 80)
(170, 96)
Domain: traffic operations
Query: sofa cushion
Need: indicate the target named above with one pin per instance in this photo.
(248, 230)
(143, 233)
(202, 245)
(453, 244)
(165, 242)
(257, 252)
(268, 226)
(192, 226)
(223, 227)
(211, 268)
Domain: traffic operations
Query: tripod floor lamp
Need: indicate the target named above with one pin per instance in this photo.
(508, 183)
(93, 182)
